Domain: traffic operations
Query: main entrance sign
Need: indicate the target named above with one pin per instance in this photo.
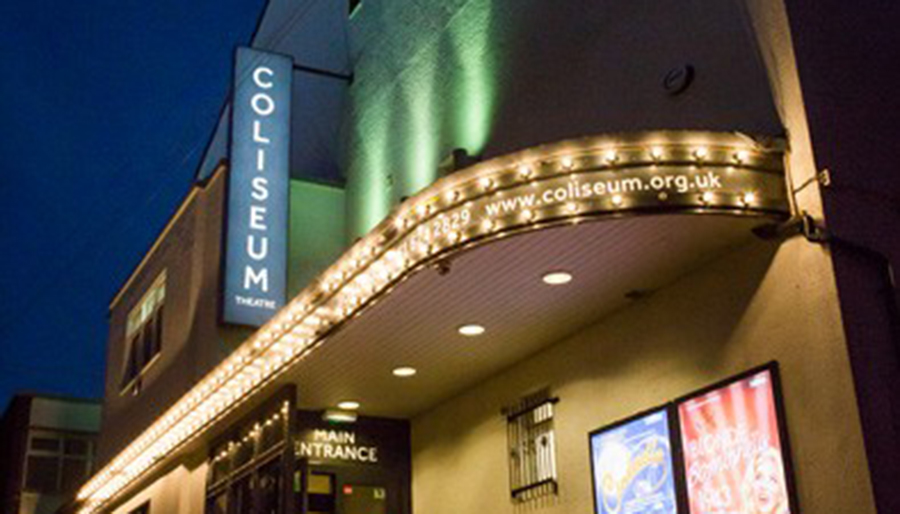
(335, 445)
(255, 275)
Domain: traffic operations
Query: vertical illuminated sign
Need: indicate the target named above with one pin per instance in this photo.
(734, 453)
(258, 180)
(632, 466)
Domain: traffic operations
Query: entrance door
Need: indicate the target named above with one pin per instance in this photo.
(364, 499)
(320, 494)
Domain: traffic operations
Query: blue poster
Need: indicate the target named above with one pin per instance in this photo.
(632, 467)
(255, 277)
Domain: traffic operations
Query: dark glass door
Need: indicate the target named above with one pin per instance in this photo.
(320, 493)
(364, 499)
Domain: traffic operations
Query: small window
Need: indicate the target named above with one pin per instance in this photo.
(353, 5)
(247, 472)
(74, 473)
(76, 447)
(42, 474)
(143, 509)
(45, 444)
(143, 335)
(57, 462)
(531, 447)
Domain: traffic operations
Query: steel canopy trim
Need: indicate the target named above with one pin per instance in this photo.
(574, 181)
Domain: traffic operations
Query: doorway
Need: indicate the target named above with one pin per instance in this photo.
(333, 492)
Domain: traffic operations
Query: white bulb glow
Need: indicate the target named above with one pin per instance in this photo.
(555, 278)
(404, 371)
(348, 405)
(471, 330)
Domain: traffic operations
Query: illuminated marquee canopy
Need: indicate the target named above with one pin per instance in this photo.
(570, 182)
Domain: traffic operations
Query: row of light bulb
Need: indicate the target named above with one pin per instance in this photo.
(374, 263)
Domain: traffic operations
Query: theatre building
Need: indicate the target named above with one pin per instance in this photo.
(496, 256)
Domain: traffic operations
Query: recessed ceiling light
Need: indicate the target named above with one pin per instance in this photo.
(339, 416)
(404, 371)
(348, 405)
(471, 330)
(555, 278)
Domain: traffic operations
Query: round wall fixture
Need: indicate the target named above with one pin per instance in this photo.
(677, 80)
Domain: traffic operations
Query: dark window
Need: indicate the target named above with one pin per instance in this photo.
(143, 509)
(42, 474)
(221, 467)
(217, 503)
(272, 434)
(76, 447)
(354, 4)
(321, 492)
(74, 473)
(58, 463)
(144, 333)
(270, 491)
(156, 342)
(244, 452)
(243, 495)
(47, 444)
(247, 471)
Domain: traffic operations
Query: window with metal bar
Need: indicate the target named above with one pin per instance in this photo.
(531, 446)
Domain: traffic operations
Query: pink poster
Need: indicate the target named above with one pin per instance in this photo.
(732, 450)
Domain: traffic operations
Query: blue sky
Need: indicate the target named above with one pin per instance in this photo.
(105, 109)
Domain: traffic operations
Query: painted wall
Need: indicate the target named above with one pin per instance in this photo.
(316, 231)
(846, 55)
(192, 342)
(180, 491)
(757, 304)
(494, 76)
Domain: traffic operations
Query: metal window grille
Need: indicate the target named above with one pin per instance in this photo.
(532, 447)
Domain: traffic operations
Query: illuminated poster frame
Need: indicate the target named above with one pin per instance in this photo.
(638, 462)
(733, 390)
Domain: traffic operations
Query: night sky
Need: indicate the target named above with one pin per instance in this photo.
(106, 107)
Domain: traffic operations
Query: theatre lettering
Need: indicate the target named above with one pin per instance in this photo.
(255, 274)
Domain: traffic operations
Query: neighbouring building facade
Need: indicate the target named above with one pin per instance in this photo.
(503, 256)
(48, 445)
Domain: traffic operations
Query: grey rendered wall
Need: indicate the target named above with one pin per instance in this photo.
(757, 304)
(493, 76)
(192, 342)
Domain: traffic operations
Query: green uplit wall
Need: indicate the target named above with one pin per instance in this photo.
(496, 76)
(316, 231)
(418, 94)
